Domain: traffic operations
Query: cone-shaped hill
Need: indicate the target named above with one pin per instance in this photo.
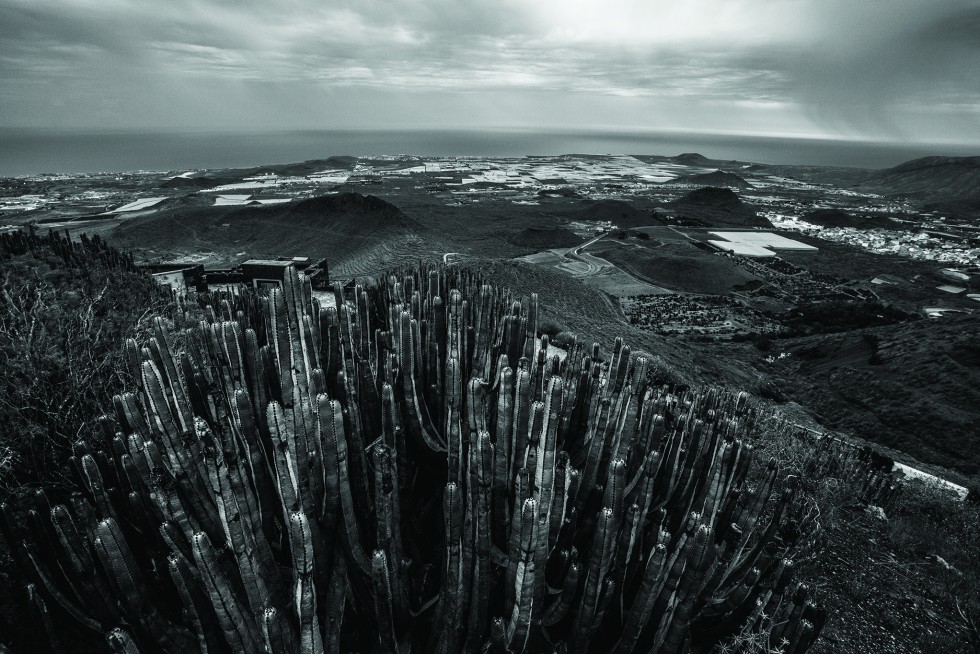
(692, 159)
(718, 179)
(328, 225)
(718, 207)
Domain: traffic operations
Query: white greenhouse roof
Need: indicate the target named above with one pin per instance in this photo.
(744, 249)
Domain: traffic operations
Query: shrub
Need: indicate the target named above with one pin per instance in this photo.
(65, 308)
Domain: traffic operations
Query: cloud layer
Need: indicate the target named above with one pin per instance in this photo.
(881, 69)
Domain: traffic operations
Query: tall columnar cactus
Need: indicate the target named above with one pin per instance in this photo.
(409, 470)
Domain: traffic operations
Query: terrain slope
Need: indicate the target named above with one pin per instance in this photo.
(913, 387)
(620, 213)
(718, 178)
(545, 238)
(347, 228)
(932, 178)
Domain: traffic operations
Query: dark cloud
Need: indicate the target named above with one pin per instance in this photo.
(902, 68)
(894, 69)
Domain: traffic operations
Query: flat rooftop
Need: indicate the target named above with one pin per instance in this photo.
(744, 249)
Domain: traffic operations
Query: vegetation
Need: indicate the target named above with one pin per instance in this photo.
(364, 223)
(65, 307)
(900, 567)
(839, 315)
(283, 477)
(913, 387)
(412, 472)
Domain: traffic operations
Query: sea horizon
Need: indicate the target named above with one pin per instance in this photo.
(32, 151)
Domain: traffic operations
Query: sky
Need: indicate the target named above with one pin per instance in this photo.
(898, 70)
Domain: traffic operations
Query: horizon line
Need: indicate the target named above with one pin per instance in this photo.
(569, 129)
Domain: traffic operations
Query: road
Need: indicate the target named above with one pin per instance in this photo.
(594, 264)
(577, 251)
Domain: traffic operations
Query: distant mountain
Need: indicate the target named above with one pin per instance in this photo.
(838, 218)
(341, 226)
(620, 213)
(718, 178)
(718, 207)
(929, 178)
(933, 163)
(692, 159)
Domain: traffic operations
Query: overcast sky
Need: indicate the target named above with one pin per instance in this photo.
(890, 69)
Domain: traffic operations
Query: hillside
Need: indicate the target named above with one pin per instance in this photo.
(308, 227)
(718, 207)
(692, 159)
(882, 590)
(929, 178)
(65, 309)
(621, 213)
(718, 178)
(966, 209)
(678, 267)
(544, 238)
(900, 385)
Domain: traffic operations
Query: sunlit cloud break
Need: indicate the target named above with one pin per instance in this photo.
(904, 69)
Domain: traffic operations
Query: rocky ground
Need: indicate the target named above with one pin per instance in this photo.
(883, 595)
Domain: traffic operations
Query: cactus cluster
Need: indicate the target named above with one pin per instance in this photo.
(414, 469)
(827, 455)
(81, 253)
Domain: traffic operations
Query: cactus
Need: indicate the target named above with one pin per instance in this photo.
(409, 471)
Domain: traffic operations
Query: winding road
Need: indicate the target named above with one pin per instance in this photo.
(594, 264)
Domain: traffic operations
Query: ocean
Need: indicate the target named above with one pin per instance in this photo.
(30, 152)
